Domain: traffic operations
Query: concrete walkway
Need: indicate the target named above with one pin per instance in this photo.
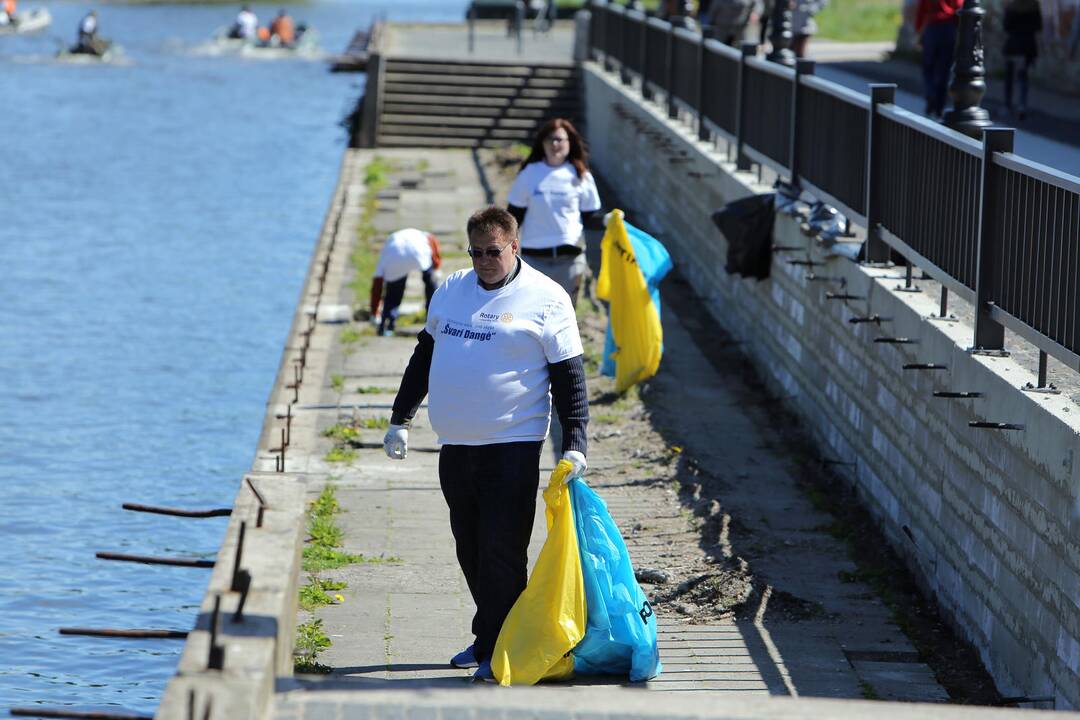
(409, 610)
(491, 43)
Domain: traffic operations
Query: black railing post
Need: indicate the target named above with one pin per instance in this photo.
(669, 81)
(702, 86)
(989, 335)
(802, 67)
(624, 73)
(876, 251)
(645, 92)
(749, 49)
(781, 37)
(968, 84)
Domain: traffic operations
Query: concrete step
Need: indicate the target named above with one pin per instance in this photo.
(458, 121)
(478, 80)
(439, 90)
(442, 142)
(475, 68)
(469, 101)
(479, 111)
(477, 133)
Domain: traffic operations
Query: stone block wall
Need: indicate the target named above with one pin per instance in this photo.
(989, 520)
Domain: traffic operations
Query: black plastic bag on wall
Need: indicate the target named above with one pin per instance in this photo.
(747, 224)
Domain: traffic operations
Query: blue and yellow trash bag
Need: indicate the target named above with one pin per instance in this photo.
(632, 264)
(548, 618)
(582, 610)
(620, 636)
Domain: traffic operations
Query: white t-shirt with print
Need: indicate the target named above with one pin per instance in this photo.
(404, 252)
(554, 198)
(489, 380)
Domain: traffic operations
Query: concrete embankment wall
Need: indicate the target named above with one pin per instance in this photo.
(989, 520)
(256, 645)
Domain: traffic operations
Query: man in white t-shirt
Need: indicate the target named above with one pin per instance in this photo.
(500, 346)
(405, 251)
(246, 25)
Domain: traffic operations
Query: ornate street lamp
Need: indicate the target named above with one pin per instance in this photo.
(969, 75)
(781, 37)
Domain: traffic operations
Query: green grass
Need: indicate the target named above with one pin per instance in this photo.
(319, 557)
(349, 336)
(325, 532)
(340, 455)
(316, 593)
(337, 382)
(859, 20)
(311, 640)
(342, 432)
(373, 390)
(379, 423)
(364, 257)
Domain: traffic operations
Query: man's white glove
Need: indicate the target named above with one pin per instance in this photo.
(396, 442)
(578, 461)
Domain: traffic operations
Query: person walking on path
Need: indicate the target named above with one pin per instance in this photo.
(500, 346)
(935, 22)
(803, 25)
(1022, 23)
(404, 251)
(553, 199)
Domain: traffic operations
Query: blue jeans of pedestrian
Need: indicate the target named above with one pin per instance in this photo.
(939, 45)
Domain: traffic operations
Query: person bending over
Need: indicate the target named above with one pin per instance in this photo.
(403, 252)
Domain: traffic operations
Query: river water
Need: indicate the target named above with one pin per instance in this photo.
(156, 221)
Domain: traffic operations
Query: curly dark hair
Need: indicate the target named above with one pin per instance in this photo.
(578, 157)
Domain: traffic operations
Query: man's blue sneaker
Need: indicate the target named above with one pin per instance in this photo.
(483, 673)
(465, 659)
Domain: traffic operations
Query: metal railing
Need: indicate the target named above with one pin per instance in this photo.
(998, 230)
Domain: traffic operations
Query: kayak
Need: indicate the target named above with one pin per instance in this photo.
(27, 22)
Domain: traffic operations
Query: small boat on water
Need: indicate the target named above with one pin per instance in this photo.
(27, 21)
(102, 51)
(307, 43)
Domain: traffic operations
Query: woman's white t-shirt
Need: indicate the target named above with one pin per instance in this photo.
(554, 198)
(489, 380)
(403, 252)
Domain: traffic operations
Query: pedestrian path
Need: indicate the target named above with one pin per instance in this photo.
(805, 630)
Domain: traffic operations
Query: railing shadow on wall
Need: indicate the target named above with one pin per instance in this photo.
(996, 229)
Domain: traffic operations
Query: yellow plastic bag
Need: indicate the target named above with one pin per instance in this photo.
(635, 322)
(549, 617)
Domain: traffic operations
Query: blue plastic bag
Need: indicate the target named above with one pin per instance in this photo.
(620, 636)
(655, 262)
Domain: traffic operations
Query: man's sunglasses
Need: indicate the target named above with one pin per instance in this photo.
(491, 252)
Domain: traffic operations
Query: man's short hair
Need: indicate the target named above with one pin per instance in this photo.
(492, 220)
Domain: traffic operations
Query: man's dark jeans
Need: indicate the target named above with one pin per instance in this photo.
(491, 493)
(395, 291)
(939, 45)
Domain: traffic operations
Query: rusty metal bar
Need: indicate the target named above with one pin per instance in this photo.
(957, 395)
(148, 560)
(925, 366)
(994, 425)
(45, 712)
(261, 500)
(876, 319)
(842, 296)
(235, 584)
(896, 341)
(242, 585)
(133, 634)
(216, 658)
(177, 512)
